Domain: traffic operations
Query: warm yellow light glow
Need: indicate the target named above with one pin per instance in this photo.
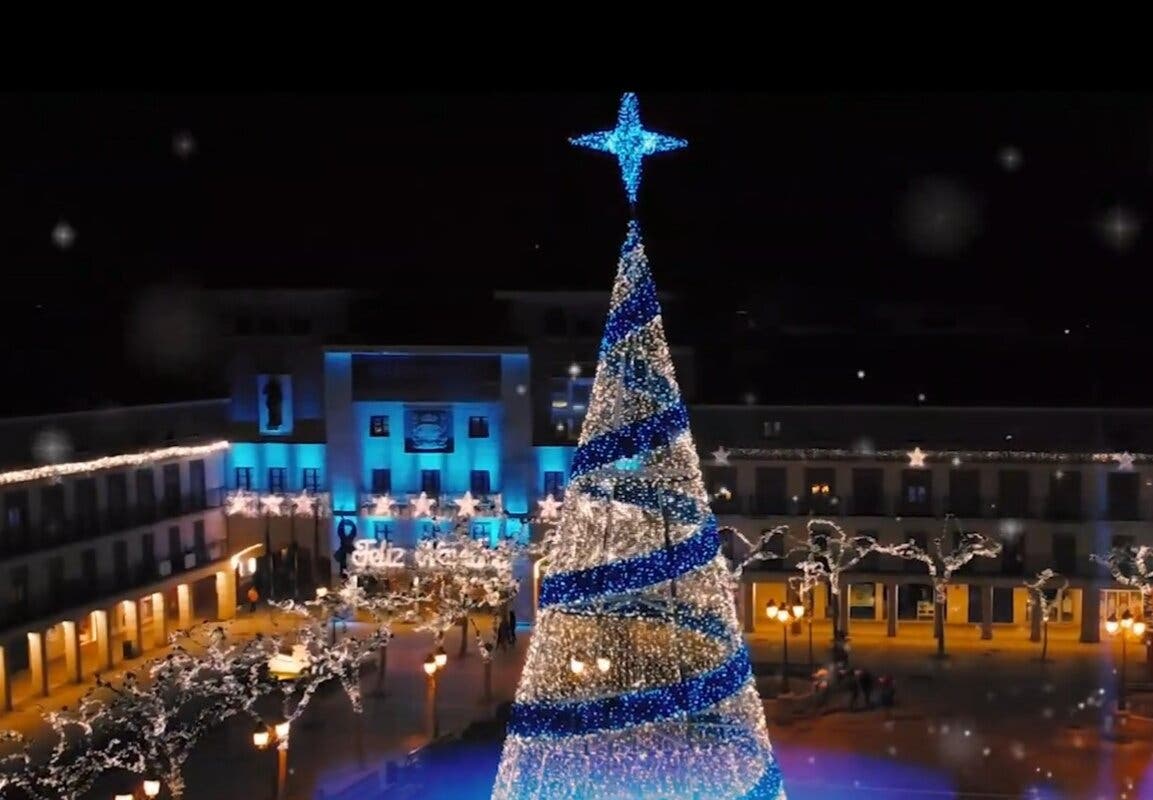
(321, 592)
(430, 664)
(125, 797)
(108, 462)
(151, 788)
(441, 658)
(604, 664)
(251, 565)
(286, 667)
(1111, 625)
(282, 730)
(260, 738)
(1139, 628)
(576, 665)
(771, 609)
(1126, 620)
(798, 610)
(783, 615)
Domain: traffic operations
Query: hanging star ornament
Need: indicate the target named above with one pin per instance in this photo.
(721, 456)
(917, 457)
(630, 143)
(549, 507)
(422, 505)
(381, 505)
(303, 503)
(466, 505)
(239, 503)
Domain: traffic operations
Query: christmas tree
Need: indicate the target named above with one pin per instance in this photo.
(637, 682)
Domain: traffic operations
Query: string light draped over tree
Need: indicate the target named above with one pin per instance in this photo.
(637, 682)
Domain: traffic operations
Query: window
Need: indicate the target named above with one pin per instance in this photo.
(199, 540)
(382, 531)
(148, 549)
(917, 491)
(197, 484)
(310, 479)
(16, 510)
(244, 478)
(378, 426)
(554, 485)
(52, 510)
(382, 481)
(1123, 490)
(171, 477)
(1013, 493)
(478, 482)
(555, 323)
(88, 570)
(277, 480)
(482, 530)
(478, 427)
(1065, 553)
(1013, 553)
(770, 429)
(120, 562)
(430, 482)
(19, 589)
(965, 492)
(175, 547)
(84, 495)
(868, 492)
(769, 490)
(721, 484)
(1064, 502)
(921, 540)
(56, 578)
(820, 491)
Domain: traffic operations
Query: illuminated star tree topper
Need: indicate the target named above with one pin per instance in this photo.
(630, 143)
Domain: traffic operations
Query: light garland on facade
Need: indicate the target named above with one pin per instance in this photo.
(1124, 461)
(109, 462)
(635, 585)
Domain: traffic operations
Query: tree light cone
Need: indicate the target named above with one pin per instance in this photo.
(635, 578)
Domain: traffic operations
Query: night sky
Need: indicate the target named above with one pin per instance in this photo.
(819, 207)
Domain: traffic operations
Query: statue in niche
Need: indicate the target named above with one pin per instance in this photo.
(346, 532)
(274, 402)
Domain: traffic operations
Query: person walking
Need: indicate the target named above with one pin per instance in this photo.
(512, 628)
(854, 689)
(253, 599)
(867, 688)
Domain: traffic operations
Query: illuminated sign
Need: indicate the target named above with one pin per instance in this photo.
(370, 554)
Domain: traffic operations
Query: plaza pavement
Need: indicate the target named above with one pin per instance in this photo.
(989, 721)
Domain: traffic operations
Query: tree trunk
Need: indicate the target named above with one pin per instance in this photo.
(940, 629)
(381, 667)
(463, 637)
(1044, 639)
(835, 599)
(487, 696)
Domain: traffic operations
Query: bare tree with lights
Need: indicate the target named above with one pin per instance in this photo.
(943, 564)
(1043, 583)
(1132, 566)
(826, 553)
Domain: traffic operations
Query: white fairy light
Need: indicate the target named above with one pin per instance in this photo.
(109, 462)
(1124, 461)
(422, 505)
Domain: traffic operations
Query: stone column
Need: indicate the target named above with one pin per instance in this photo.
(38, 662)
(843, 608)
(891, 610)
(159, 620)
(184, 605)
(987, 612)
(102, 633)
(1090, 614)
(5, 681)
(133, 632)
(72, 658)
(225, 595)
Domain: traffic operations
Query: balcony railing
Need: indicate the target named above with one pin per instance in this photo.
(55, 533)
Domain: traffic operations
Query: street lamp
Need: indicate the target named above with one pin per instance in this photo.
(781, 614)
(263, 738)
(432, 665)
(151, 788)
(576, 665)
(1126, 626)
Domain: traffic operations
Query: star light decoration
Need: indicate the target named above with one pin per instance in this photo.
(422, 505)
(466, 505)
(380, 505)
(272, 504)
(630, 143)
(721, 456)
(549, 507)
(1124, 461)
(917, 458)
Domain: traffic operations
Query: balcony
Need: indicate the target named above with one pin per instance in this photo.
(1063, 512)
(867, 507)
(60, 532)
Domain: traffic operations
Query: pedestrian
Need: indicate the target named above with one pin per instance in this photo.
(502, 634)
(512, 627)
(253, 599)
(867, 688)
(854, 689)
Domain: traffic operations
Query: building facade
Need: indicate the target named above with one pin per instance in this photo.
(112, 535)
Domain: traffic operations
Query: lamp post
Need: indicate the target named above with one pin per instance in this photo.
(264, 737)
(148, 789)
(1123, 628)
(782, 615)
(432, 665)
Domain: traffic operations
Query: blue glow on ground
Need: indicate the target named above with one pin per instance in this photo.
(467, 772)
